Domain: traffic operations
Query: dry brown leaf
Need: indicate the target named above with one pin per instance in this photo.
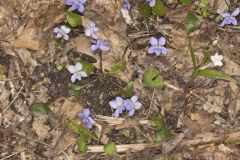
(178, 14)
(32, 37)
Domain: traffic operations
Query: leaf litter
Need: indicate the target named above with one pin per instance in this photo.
(200, 102)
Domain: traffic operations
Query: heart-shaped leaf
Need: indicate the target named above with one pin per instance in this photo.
(120, 65)
(128, 90)
(159, 122)
(191, 22)
(212, 73)
(162, 134)
(110, 148)
(40, 108)
(186, 2)
(78, 128)
(152, 79)
(145, 10)
(73, 19)
(82, 142)
(159, 8)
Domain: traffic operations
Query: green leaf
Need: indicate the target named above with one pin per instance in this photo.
(74, 19)
(78, 128)
(159, 8)
(40, 108)
(193, 57)
(152, 79)
(87, 67)
(75, 90)
(211, 73)
(205, 2)
(82, 142)
(145, 10)
(162, 134)
(186, 2)
(1, 70)
(128, 90)
(191, 22)
(110, 148)
(159, 122)
(120, 65)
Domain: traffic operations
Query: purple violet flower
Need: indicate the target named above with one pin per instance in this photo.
(117, 104)
(99, 45)
(76, 5)
(62, 32)
(132, 104)
(86, 119)
(126, 5)
(77, 72)
(230, 18)
(91, 30)
(157, 46)
(151, 2)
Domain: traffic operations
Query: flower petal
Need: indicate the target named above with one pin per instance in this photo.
(74, 77)
(234, 21)
(152, 3)
(225, 14)
(223, 23)
(104, 47)
(134, 99)
(151, 50)
(86, 112)
(56, 30)
(235, 12)
(113, 104)
(78, 67)
(153, 41)
(74, 7)
(71, 69)
(131, 112)
(158, 51)
(87, 32)
(94, 47)
(66, 37)
(65, 29)
(83, 74)
(91, 120)
(82, 1)
(119, 101)
(69, 2)
(137, 105)
(116, 113)
(163, 50)
(162, 41)
(80, 8)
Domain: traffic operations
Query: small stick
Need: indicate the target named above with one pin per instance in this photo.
(151, 103)
(173, 87)
(6, 108)
(13, 154)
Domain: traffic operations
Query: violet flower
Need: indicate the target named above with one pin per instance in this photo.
(76, 5)
(230, 18)
(151, 2)
(91, 30)
(86, 119)
(99, 45)
(117, 104)
(157, 46)
(62, 32)
(77, 72)
(132, 104)
(126, 5)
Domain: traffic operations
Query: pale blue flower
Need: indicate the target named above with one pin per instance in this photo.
(91, 30)
(230, 18)
(157, 46)
(118, 105)
(86, 119)
(76, 5)
(62, 32)
(132, 105)
(99, 45)
(77, 72)
(151, 2)
(126, 5)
